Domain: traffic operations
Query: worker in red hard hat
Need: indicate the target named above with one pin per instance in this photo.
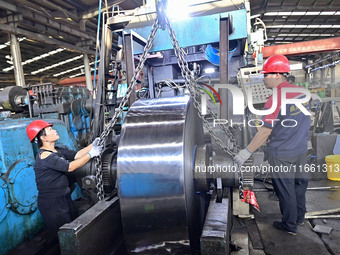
(51, 166)
(287, 138)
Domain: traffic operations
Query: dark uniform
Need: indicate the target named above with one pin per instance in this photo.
(287, 146)
(54, 198)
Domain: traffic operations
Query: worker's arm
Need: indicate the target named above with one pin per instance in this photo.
(94, 151)
(259, 139)
(79, 162)
(83, 152)
(86, 150)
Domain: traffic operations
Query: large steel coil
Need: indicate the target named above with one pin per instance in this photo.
(158, 202)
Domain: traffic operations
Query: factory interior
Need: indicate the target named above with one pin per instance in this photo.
(203, 127)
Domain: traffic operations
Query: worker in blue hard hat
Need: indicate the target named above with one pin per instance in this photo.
(287, 135)
(51, 166)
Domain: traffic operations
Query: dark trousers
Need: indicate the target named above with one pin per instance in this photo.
(290, 184)
(56, 211)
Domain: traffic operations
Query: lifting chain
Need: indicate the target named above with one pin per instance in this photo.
(119, 110)
(190, 84)
(195, 95)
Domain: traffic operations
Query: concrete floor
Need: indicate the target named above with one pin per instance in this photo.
(265, 239)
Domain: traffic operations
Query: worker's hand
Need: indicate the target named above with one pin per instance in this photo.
(96, 141)
(96, 151)
(242, 156)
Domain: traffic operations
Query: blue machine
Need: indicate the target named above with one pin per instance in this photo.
(19, 216)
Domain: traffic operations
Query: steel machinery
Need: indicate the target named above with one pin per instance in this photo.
(66, 109)
(166, 182)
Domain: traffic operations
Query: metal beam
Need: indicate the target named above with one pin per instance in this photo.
(97, 231)
(215, 236)
(36, 17)
(303, 48)
(17, 63)
(130, 65)
(45, 39)
(8, 6)
(49, 31)
(204, 9)
(93, 11)
(87, 68)
(224, 69)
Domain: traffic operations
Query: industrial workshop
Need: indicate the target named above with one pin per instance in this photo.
(200, 127)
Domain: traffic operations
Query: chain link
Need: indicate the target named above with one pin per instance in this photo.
(195, 94)
(119, 110)
(99, 178)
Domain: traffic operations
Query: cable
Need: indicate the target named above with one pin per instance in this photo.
(97, 45)
(259, 21)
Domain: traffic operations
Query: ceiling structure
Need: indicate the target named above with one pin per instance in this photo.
(298, 20)
(54, 34)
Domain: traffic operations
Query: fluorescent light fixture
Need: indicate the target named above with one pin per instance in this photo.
(327, 13)
(45, 55)
(297, 13)
(297, 66)
(271, 14)
(73, 69)
(56, 65)
(305, 35)
(313, 26)
(2, 46)
(68, 71)
(312, 13)
(75, 75)
(209, 70)
(284, 13)
(303, 26)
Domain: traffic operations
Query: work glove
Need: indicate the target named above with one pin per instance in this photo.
(96, 141)
(96, 151)
(242, 156)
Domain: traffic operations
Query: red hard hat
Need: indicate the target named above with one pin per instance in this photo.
(276, 64)
(35, 127)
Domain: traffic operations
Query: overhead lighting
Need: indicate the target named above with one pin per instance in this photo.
(278, 42)
(209, 70)
(2, 46)
(68, 71)
(327, 13)
(56, 65)
(271, 14)
(284, 13)
(73, 69)
(75, 75)
(297, 13)
(303, 26)
(325, 26)
(327, 35)
(45, 55)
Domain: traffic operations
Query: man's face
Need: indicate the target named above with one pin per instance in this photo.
(269, 80)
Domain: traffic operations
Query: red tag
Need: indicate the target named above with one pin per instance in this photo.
(249, 197)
